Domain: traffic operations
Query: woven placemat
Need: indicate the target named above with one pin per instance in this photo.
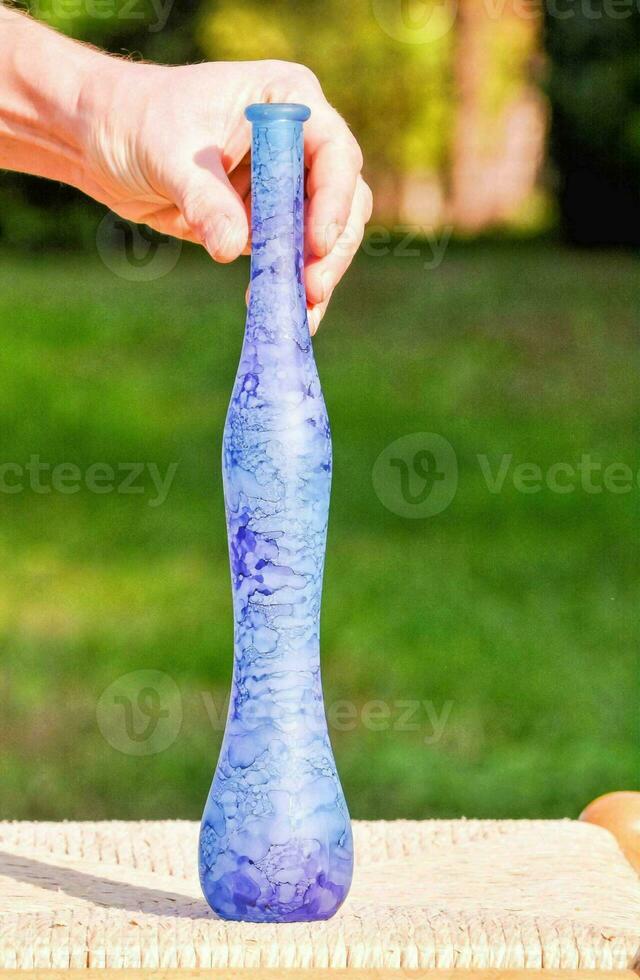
(556, 894)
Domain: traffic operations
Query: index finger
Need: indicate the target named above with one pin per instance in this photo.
(334, 161)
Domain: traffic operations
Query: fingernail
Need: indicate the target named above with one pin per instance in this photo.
(218, 237)
(314, 321)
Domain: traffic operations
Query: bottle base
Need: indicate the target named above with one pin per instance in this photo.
(321, 902)
(276, 918)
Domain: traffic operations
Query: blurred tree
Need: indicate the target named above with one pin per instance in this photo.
(151, 29)
(594, 87)
(392, 82)
(437, 92)
(500, 124)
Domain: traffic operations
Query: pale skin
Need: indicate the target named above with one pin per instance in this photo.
(169, 146)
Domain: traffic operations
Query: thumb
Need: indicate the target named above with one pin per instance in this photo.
(213, 210)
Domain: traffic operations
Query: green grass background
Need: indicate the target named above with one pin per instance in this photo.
(518, 609)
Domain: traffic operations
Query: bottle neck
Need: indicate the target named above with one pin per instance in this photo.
(277, 223)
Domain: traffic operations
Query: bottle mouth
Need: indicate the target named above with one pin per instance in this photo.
(270, 112)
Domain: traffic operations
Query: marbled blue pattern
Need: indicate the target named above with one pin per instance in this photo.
(275, 842)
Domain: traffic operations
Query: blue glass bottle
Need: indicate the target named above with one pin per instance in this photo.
(275, 840)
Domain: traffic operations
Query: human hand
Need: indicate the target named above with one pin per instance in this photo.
(169, 147)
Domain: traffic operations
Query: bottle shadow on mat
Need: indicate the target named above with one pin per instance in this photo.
(103, 892)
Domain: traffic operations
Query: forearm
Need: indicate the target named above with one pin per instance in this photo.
(41, 113)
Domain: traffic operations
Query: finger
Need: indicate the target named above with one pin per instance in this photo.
(166, 220)
(237, 145)
(241, 182)
(213, 209)
(240, 179)
(169, 221)
(247, 207)
(315, 315)
(334, 160)
(323, 275)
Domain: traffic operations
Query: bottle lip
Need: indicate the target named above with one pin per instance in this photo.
(268, 112)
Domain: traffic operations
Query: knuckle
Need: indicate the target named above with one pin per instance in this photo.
(343, 204)
(345, 248)
(354, 245)
(279, 67)
(291, 81)
(307, 76)
(368, 200)
(192, 202)
(348, 144)
(293, 72)
(193, 216)
(356, 153)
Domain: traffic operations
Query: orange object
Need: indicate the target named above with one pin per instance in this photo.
(620, 814)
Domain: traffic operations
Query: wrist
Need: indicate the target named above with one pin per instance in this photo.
(113, 99)
(41, 122)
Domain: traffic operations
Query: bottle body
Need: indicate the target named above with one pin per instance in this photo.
(275, 843)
